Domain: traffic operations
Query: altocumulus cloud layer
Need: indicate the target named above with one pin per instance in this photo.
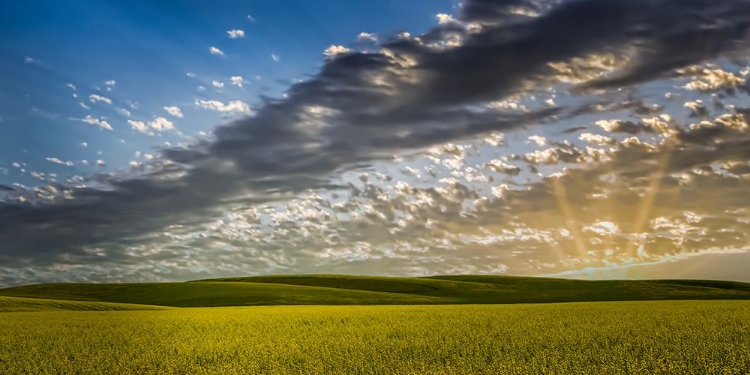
(400, 158)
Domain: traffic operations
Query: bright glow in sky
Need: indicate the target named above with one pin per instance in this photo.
(145, 140)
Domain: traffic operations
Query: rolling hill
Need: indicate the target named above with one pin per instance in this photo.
(366, 290)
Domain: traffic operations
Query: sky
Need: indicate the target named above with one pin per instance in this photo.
(154, 141)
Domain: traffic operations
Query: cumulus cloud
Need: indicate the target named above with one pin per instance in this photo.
(235, 106)
(234, 34)
(363, 36)
(100, 122)
(138, 125)
(334, 50)
(216, 51)
(98, 98)
(217, 84)
(237, 81)
(174, 111)
(283, 186)
(159, 124)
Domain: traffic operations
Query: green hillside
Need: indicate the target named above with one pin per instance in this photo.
(208, 294)
(366, 290)
(19, 304)
(509, 289)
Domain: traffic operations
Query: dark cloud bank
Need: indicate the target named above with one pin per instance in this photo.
(409, 93)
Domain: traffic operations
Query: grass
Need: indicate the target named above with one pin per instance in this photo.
(665, 337)
(365, 290)
(211, 294)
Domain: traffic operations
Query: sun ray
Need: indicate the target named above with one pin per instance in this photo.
(647, 202)
(570, 221)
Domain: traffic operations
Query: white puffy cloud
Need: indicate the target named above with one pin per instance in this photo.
(363, 36)
(100, 122)
(98, 98)
(217, 84)
(174, 111)
(445, 18)
(123, 112)
(100, 163)
(708, 80)
(539, 140)
(237, 81)
(72, 86)
(138, 125)
(158, 124)
(84, 144)
(234, 34)
(235, 106)
(161, 124)
(334, 50)
(110, 83)
(216, 51)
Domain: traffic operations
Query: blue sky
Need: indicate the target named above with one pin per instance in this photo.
(157, 140)
(145, 49)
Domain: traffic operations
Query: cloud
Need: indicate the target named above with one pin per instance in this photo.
(33, 61)
(98, 98)
(363, 36)
(284, 186)
(71, 86)
(236, 106)
(139, 126)
(237, 81)
(334, 50)
(275, 57)
(159, 124)
(60, 162)
(100, 122)
(216, 51)
(250, 18)
(174, 111)
(217, 84)
(445, 18)
(234, 34)
(123, 112)
(110, 83)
